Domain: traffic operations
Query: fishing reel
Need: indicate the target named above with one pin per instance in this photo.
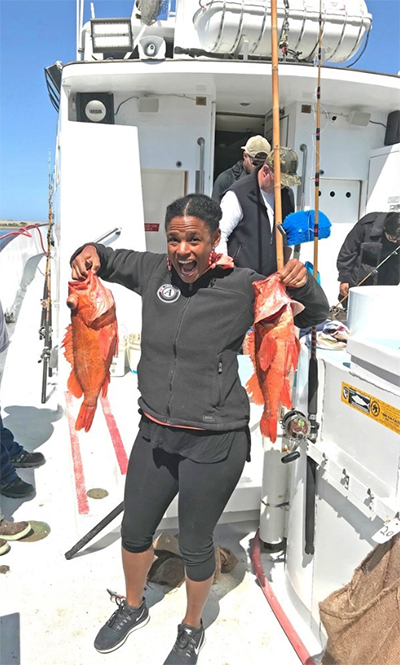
(296, 428)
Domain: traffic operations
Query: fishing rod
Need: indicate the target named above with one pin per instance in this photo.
(311, 468)
(334, 308)
(276, 135)
(45, 330)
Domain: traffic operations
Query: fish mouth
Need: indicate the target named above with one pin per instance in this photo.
(187, 268)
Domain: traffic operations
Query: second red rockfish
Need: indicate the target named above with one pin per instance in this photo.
(274, 349)
(90, 343)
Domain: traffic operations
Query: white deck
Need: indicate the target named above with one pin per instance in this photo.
(52, 608)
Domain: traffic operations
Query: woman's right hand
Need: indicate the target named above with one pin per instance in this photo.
(86, 259)
(344, 289)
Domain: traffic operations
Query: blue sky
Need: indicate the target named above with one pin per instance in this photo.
(36, 33)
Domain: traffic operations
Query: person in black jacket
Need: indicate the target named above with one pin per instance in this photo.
(369, 242)
(256, 149)
(248, 211)
(193, 435)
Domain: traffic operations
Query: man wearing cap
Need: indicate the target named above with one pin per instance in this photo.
(247, 224)
(256, 149)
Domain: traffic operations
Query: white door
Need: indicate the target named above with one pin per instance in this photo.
(340, 202)
(160, 187)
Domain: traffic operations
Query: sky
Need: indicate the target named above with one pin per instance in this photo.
(36, 33)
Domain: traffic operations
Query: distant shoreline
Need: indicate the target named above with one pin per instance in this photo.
(5, 224)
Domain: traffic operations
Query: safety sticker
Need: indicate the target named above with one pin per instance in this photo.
(375, 408)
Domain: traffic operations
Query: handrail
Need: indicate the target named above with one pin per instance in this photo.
(116, 231)
(301, 191)
(201, 143)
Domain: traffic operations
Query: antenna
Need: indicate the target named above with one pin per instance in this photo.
(79, 25)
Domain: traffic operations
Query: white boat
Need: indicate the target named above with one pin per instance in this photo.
(155, 105)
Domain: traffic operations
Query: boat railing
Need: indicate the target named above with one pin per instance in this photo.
(18, 251)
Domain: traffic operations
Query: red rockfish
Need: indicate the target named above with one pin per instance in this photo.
(90, 343)
(274, 350)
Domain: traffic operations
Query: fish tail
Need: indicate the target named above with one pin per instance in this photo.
(269, 427)
(85, 417)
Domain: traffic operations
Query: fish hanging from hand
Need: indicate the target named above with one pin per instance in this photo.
(274, 350)
(90, 343)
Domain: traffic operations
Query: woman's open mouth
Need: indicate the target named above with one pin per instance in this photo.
(187, 268)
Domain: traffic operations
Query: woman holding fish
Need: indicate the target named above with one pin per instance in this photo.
(193, 436)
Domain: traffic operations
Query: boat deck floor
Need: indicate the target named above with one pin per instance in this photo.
(51, 607)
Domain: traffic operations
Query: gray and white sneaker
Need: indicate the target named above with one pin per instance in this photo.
(187, 646)
(124, 621)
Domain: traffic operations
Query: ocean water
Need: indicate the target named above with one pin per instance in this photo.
(4, 232)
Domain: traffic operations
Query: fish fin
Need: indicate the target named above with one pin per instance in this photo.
(267, 352)
(104, 387)
(67, 344)
(108, 341)
(85, 417)
(249, 345)
(285, 397)
(268, 427)
(74, 386)
(294, 354)
(254, 391)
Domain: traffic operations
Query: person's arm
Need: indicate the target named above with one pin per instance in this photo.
(221, 184)
(316, 306)
(122, 266)
(231, 215)
(348, 255)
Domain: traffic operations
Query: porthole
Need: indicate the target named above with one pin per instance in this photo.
(348, 194)
(332, 194)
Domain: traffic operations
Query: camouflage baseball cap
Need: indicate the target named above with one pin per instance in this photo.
(289, 162)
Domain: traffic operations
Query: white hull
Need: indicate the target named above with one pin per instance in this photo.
(170, 119)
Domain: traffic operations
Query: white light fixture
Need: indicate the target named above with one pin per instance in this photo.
(111, 35)
(359, 118)
(151, 48)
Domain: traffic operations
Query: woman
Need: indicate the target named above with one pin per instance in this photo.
(193, 436)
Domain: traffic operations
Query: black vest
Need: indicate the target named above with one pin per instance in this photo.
(251, 244)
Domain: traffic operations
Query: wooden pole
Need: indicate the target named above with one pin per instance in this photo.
(276, 135)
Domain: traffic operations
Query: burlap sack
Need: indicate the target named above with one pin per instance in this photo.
(362, 620)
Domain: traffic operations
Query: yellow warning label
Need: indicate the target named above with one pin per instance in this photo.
(383, 413)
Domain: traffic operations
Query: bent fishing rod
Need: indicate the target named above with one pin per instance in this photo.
(334, 308)
(45, 330)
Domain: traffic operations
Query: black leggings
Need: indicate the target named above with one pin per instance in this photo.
(154, 478)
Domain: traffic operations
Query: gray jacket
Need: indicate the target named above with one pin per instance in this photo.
(226, 179)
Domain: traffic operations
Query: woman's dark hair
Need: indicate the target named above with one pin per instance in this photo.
(195, 205)
(392, 224)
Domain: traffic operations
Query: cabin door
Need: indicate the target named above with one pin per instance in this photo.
(160, 187)
(340, 201)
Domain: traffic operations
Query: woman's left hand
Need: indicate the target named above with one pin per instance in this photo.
(294, 274)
